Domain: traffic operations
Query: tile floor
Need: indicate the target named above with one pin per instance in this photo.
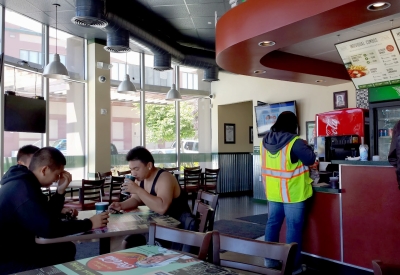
(232, 207)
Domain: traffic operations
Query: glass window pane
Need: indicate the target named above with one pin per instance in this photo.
(125, 126)
(67, 123)
(190, 81)
(72, 48)
(196, 81)
(114, 71)
(121, 72)
(184, 80)
(24, 55)
(22, 33)
(34, 57)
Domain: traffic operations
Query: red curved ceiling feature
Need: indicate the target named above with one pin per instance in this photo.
(288, 22)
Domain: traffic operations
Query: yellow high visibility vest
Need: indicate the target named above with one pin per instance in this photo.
(285, 181)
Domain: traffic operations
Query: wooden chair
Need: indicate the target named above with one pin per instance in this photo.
(210, 179)
(107, 176)
(170, 169)
(192, 168)
(115, 189)
(385, 269)
(197, 239)
(191, 183)
(243, 248)
(122, 173)
(89, 194)
(211, 200)
(204, 214)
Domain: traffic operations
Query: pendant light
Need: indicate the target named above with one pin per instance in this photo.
(126, 86)
(173, 94)
(56, 69)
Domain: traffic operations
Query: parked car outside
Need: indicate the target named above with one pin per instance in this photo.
(61, 144)
(187, 146)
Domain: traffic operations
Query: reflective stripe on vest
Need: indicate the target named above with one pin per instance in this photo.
(296, 176)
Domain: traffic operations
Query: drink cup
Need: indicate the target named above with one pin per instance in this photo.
(132, 178)
(101, 207)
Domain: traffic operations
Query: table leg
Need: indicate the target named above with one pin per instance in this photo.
(104, 246)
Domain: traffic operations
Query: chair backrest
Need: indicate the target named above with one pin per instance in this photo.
(115, 188)
(211, 200)
(104, 175)
(278, 251)
(204, 216)
(91, 190)
(385, 269)
(121, 173)
(191, 177)
(192, 168)
(170, 169)
(197, 239)
(211, 175)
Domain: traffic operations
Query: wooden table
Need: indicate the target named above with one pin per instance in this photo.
(119, 226)
(133, 262)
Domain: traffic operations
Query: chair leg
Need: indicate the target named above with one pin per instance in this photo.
(194, 196)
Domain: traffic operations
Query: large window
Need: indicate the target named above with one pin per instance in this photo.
(67, 123)
(118, 70)
(23, 38)
(71, 50)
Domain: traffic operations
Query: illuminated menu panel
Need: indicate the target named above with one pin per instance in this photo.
(372, 61)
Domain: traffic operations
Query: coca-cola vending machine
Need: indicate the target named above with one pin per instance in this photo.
(340, 133)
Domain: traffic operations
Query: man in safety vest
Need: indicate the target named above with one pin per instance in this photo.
(285, 159)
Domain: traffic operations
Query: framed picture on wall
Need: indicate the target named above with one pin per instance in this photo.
(229, 133)
(340, 100)
(251, 134)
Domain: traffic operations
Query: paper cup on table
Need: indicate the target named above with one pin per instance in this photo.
(101, 207)
(375, 158)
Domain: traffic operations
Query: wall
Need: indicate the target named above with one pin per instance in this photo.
(240, 114)
(232, 88)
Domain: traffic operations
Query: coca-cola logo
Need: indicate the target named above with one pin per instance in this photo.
(331, 126)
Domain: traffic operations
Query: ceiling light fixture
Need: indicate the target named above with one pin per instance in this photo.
(260, 71)
(266, 43)
(319, 81)
(126, 86)
(56, 69)
(173, 94)
(378, 6)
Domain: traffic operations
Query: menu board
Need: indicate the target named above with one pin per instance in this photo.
(374, 60)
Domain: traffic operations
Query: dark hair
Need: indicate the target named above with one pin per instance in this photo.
(286, 122)
(140, 153)
(25, 151)
(47, 156)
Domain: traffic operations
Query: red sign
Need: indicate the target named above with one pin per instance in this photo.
(116, 261)
(341, 122)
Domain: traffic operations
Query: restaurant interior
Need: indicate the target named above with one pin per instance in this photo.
(193, 80)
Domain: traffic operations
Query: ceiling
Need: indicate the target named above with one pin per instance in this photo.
(192, 23)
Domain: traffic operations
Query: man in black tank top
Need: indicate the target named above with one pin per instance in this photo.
(153, 187)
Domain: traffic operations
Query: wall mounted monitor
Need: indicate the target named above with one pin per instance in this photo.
(23, 114)
(373, 60)
(266, 115)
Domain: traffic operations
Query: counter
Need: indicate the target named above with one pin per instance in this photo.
(359, 224)
(364, 163)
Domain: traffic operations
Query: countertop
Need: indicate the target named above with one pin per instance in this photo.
(326, 189)
(359, 162)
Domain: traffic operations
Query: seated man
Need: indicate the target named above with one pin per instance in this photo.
(25, 154)
(26, 213)
(153, 187)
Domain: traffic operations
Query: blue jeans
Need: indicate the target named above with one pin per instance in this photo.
(295, 215)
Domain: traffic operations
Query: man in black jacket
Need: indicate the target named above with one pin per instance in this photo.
(26, 213)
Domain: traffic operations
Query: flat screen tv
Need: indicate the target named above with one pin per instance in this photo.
(23, 114)
(373, 60)
(266, 115)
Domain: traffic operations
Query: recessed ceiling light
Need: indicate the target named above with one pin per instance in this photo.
(209, 23)
(266, 43)
(319, 81)
(260, 71)
(378, 6)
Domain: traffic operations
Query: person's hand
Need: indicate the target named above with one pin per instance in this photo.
(69, 211)
(63, 182)
(99, 220)
(115, 206)
(129, 186)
